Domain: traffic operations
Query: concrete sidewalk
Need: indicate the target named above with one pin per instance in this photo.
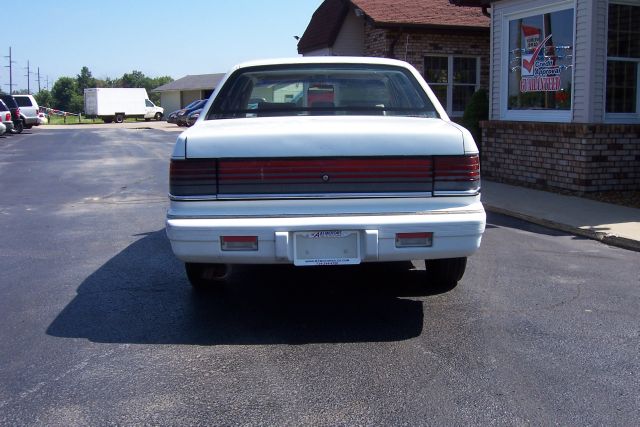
(612, 224)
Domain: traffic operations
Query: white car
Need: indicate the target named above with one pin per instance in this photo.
(3, 128)
(342, 161)
(28, 110)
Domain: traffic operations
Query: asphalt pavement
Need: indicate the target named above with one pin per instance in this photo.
(99, 325)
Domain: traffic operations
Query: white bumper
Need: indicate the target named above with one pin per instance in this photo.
(456, 233)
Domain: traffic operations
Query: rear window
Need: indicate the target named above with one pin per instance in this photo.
(10, 101)
(3, 106)
(321, 89)
(23, 101)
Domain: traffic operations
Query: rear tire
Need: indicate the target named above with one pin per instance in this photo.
(445, 273)
(119, 118)
(205, 277)
(18, 127)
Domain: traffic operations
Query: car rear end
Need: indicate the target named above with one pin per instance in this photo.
(319, 180)
(28, 110)
(6, 117)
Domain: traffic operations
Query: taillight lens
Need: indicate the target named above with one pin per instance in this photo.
(193, 177)
(456, 174)
(8, 117)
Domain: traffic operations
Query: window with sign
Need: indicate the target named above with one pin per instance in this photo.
(453, 79)
(623, 59)
(540, 61)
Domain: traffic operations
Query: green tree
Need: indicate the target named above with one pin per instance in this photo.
(84, 80)
(44, 98)
(135, 79)
(154, 83)
(62, 92)
(476, 111)
(76, 105)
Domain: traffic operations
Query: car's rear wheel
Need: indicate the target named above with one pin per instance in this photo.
(18, 127)
(206, 276)
(445, 273)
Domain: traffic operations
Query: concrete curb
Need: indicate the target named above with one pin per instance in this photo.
(609, 239)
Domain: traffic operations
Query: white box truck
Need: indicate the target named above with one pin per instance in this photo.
(116, 104)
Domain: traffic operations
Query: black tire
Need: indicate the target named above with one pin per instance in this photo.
(119, 118)
(446, 273)
(206, 276)
(18, 127)
(158, 117)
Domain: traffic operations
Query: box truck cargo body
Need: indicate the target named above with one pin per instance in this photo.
(116, 104)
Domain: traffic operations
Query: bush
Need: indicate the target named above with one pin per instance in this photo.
(477, 110)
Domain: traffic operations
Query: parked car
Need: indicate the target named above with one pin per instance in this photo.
(6, 117)
(181, 118)
(347, 161)
(173, 116)
(28, 110)
(18, 123)
(42, 119)
(3, 128)
(193, 116)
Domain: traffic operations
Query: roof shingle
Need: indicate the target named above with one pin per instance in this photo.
(327, 20)
(440, 13)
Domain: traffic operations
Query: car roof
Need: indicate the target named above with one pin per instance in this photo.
(324, 60)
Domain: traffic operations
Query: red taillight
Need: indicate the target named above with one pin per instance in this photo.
(455, 174)
(414, 240)
(18, 111)
(8, 117)
(197, 177)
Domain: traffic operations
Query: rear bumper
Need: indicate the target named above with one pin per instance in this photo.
(454, 235)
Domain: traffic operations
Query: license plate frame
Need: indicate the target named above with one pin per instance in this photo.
(326, 247)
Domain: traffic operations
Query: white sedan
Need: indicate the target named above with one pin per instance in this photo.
(341, 161)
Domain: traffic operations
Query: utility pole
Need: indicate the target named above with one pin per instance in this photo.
(28, 78)
(38, 79)
(10, 66)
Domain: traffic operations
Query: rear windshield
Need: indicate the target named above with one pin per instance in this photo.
(321, 89)
(3, 106)
(10, 101)
(23, 101)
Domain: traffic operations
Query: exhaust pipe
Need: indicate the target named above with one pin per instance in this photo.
(216, 271)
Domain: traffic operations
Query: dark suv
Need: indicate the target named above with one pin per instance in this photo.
(18, 124)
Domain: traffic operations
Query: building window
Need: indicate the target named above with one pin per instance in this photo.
(540, 61)
(453, 79)
(623, 59)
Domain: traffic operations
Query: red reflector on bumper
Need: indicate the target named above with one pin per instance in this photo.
(414, 240)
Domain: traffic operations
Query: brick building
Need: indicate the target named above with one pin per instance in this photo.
(564, 106)
(449, 45)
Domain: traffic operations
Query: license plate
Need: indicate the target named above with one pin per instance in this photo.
(328, 247)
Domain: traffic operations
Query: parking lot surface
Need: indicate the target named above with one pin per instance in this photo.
(98, 324)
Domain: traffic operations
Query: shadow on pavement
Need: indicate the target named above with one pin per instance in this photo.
(142, 296)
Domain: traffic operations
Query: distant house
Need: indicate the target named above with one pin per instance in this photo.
(181, 92)
(449, 45)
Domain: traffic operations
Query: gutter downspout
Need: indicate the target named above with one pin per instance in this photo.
(391, 53)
